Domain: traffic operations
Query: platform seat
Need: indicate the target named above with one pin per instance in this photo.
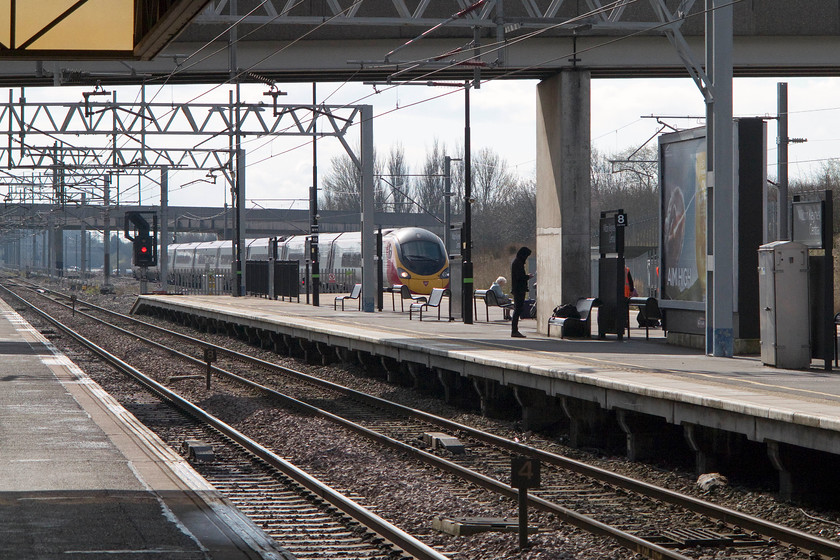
(405, 294)
(435, 299)
(355, 294)
(649, 313)
(490, 300)
(576, 326)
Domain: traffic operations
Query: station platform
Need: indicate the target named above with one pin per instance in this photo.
(680, 385)
(81, 478)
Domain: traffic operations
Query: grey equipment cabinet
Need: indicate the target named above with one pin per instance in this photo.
(785, 312)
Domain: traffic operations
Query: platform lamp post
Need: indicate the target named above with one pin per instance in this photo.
(313, 209)
(466, 235)
(466, 240)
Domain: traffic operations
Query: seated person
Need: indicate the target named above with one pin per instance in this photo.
(503, 299)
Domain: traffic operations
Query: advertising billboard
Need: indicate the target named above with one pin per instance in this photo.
(682, 157)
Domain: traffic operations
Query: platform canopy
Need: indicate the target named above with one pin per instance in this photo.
(91, 29)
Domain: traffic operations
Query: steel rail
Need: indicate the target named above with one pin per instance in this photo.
(748, 522)
(386, 530)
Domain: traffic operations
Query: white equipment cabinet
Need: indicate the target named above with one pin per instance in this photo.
(785, 323)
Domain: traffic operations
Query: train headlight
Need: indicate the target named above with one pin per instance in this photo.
(445, 274)
(402, 273)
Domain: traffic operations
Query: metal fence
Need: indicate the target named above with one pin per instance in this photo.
(339, 280)
(201, 283)
(286, 279)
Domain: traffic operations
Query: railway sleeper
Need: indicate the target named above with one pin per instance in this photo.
(695, 538)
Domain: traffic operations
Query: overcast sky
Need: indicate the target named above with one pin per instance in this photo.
(502, 117)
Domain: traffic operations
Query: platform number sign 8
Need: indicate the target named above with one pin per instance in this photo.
(621, 220)
(525, 472)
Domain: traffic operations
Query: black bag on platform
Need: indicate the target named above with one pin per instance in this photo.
(566, 311)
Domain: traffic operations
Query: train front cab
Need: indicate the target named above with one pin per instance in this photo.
(416, 258)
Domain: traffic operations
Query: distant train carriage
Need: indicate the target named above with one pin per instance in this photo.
(414, 257)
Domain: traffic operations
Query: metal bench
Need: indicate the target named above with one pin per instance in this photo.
(490, 300)
(435, 299)
(576, 326)
(405, 294)
(355, 294)
(648, 310)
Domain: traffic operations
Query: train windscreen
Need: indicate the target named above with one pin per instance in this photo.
(423, 257)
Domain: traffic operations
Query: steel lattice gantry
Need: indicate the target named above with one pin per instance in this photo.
(117, 137)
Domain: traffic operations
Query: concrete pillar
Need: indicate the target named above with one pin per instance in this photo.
(563, 191)
(720, 331)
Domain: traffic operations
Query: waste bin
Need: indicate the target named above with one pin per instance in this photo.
(784, 316)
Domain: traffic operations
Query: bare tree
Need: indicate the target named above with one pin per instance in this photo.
(343, 184)
(826, 178)
(428, 189)
(508, 221)
(493, 181)
(622, 181)
(398, 186)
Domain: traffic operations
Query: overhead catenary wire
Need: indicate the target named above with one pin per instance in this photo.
(493, 48)
(568, 22)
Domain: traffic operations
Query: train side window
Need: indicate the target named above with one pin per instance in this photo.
(295, 250)
(351, 259)
(346, 253)
(225, 256)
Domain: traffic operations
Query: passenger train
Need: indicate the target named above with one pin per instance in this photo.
(412, 256)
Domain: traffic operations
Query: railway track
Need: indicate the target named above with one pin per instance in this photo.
(649, 520)
(309, 519)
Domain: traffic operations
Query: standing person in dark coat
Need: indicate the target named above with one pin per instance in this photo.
(518, 287)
